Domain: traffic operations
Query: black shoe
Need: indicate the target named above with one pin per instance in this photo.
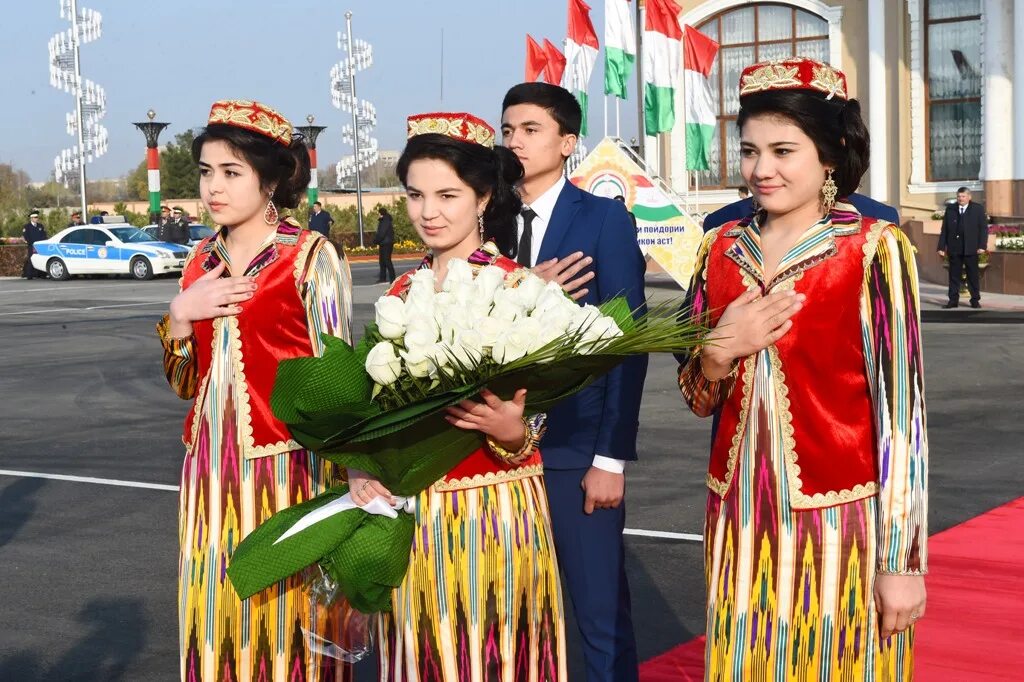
(975, 304)
(948, 306)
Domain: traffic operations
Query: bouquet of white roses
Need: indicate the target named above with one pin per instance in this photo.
(379, 407)
(434, 340)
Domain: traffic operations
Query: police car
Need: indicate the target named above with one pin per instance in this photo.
(106, 249)
(197, 232)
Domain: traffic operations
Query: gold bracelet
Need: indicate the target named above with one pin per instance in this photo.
(529, 444)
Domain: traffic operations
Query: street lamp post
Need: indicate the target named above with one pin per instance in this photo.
(309, 134)
(152, 129)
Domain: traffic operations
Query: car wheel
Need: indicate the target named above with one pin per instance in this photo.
(141, 269)
(56, 269)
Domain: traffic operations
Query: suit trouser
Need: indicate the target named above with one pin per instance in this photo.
(28, 270)
(592, 558)
(387, 268)
(957, 263)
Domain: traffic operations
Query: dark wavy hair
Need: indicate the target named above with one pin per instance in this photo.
(283, 168)
(488, 171)
(835, 126)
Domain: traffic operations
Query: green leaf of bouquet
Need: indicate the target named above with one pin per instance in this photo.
(258, 563)
(618, 309)
(372, 561)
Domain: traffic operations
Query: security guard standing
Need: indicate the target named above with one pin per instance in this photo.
(33, 232)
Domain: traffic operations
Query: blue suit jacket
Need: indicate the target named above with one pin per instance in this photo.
(742, 208)
(602, 419)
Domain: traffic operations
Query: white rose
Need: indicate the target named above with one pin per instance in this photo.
(419, 361)
(529, 290)
(468, 348)
(584, 316)
(489, 280)
(490, 328)
(510, 346)
(459, 273)
(382, 364)
(391, 318)
(557, 320)
(551, 296)
(422, 277)
(419, 339)
(530, 328)
(443, 299)
(506, 307)
(601, 330)
(425, 326)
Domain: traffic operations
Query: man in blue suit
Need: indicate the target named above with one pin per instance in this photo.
(591, 436)
(742, 208)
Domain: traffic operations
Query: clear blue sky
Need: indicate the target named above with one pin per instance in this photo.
(178, 56)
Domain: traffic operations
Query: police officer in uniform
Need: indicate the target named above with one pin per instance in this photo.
(33, 232)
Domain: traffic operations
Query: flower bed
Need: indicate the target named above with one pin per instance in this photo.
(1010, 243)
(402, 247)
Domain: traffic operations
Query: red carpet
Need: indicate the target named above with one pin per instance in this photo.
(974, 627)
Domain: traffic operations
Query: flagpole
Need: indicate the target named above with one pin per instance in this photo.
(606, 115)
(617, 133)
(640, 134)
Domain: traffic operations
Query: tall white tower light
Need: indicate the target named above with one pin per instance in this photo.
(364, 115)
(90, 99)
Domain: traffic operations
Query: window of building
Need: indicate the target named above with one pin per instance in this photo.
(953, 90)
(747, 35)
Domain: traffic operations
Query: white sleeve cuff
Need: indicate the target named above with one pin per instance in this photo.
(615, 466)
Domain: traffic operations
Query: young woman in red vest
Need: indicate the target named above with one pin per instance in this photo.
(815, 538)
(261, 291)
(482, 598)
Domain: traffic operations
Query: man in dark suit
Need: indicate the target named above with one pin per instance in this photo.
(320, 220)
(591, 436)
(744, 207)
(964, 237)
(384, 238)
(33, 231)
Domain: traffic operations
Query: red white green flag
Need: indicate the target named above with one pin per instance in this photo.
(662, 43)
(536, 59)
(699, 53)
(580, 54)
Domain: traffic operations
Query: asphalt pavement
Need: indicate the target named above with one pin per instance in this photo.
(88, 567)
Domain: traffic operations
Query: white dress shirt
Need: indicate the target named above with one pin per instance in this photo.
(544, 207)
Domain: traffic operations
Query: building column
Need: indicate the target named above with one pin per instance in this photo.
(1018, 107)
(878, 124)
(997, 157)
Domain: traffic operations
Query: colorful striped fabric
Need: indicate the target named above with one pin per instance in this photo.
(224, 497)
(482, 599)
(790, 592)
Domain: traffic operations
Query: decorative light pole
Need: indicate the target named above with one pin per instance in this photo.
(152, 129)
(364, 114)
(90, 99)
(309, 134)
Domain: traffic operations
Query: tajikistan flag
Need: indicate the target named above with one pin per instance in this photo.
(698, 57)
(619, 47)
(662, 37)
(580, 55)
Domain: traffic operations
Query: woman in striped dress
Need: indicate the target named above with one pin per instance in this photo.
(261, 291)
(815, 537)
(481, 599)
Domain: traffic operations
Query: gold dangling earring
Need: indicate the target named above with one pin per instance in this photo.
(270, 215)
(828, 192)
(480, 222)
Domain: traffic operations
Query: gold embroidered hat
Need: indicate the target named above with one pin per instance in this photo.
(795, 73)
(259, 118)
(459, 125)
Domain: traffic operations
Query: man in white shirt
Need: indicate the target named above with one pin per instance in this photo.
(591, 436)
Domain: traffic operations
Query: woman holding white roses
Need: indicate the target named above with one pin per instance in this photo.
(481, 598)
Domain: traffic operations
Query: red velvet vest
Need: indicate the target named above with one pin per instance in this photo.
(271, 327)
(821, 383)
(481, 467)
